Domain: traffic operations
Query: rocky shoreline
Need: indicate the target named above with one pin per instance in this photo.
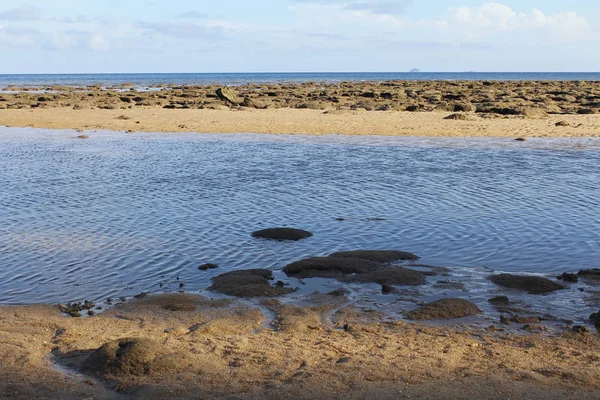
(177, 345)
(489, 99)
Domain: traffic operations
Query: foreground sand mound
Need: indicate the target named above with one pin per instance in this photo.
(247, 283)
(134, 356)
(444, 309)
(531, 284)
(282, 234)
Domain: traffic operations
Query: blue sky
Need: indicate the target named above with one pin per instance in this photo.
(64, 36)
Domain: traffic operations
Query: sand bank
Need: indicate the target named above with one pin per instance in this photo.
(223, 348)
(480, 109)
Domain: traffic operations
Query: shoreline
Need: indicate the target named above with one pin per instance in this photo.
(507, 109)
(303, 122)
(225, 349)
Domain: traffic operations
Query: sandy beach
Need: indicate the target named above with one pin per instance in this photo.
(186, 346)
(445, 109)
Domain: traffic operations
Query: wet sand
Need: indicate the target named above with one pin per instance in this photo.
(227, 349)
(480, 109)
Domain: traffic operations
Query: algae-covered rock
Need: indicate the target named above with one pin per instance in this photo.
(247, 283)
(380, 256)
(444, 309)
(531, 284)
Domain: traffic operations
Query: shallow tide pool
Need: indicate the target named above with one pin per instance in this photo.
(117, 214)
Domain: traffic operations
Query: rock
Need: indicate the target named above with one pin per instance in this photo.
(531, 284)
(568, 277)
(282, 234)
(329, 267)
(463, 107)
(247, 283)
(580, 329)
(562, 123)
(499, 300)
(444, 309)
(595, 319)
(520, 139)
(525, 320)
(207, 266)
(457, 117)
(229, 96)
(586, 111)
(390, 276)
(590, 276)
(339, 292)
(386, 289)
(380, 256)
(83, 137)
(134, 357)
(254, 103)
(533, 112)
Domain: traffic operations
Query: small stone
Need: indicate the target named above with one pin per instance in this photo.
(386, 289)
(207, 266)
(520, 139)
(562, 123)
(580, 329)
(140, 296)
(499, 300)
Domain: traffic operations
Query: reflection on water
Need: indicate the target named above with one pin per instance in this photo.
(119, 214)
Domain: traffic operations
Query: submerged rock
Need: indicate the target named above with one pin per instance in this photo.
(207, 266)
(531, 284)
(568, 277)
(282, 234)
(380, 256)
(499, 300)
(330, 267)
(590, 276)
(391, 276)
(247, 283)
(133, 356)
(444, 309)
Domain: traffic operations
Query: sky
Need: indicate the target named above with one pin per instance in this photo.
(112, 36)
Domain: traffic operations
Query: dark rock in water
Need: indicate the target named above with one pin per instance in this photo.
(282, 234)
(525, 320)
(206, 267)
(568, 277)
(83, 137)
(499, 300)
(595, 319)
(444, 309)
(229, 96)
(531, 284)
(330, 267)
(134, 356)
(589, 272)
(520, 139)
(339, 292)
(247, 283)
(390, 276)
(580, 329)
(380, 256)
(386, 289)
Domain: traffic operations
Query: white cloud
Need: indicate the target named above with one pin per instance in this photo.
(98, 43)
(26, 12)
(61, 40)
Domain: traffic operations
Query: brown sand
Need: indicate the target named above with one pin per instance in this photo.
(294, 121)
(400, 108)
(303, 354)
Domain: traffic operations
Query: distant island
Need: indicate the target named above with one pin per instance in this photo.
(415, 70)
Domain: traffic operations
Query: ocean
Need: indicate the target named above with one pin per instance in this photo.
(287, 77)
